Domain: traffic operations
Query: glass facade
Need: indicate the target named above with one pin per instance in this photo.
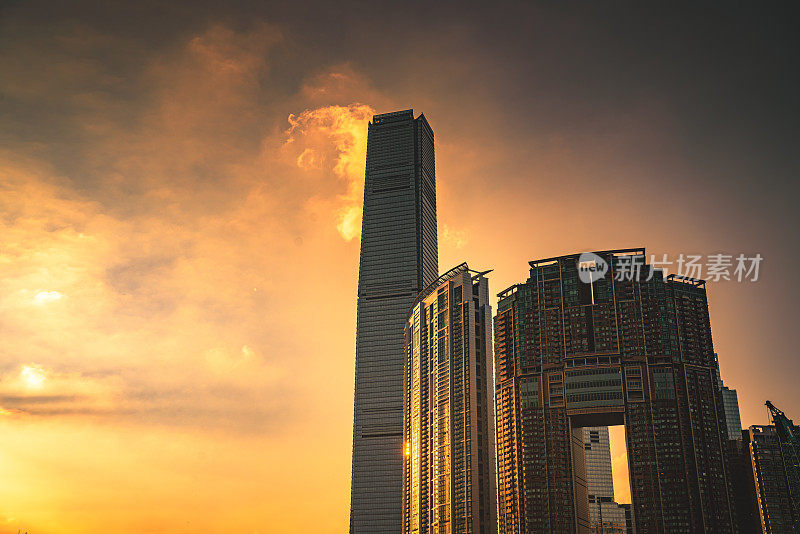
(571, 354)
(448, 431)
(399, 257)
(600, 481)
(730, 401)
(730, 405)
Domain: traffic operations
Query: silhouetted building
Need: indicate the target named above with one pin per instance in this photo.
(771, 483)
(627, 510)
(399, 257)
(745, 504)
(627, 346)
(743, 495)
(449, 469)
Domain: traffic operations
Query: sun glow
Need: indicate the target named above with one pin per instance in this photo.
(45, 297)
(33, 376)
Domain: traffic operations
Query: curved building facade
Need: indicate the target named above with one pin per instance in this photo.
(448, 428)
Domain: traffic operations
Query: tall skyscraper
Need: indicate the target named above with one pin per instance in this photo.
(449, 468)
(771, 483)
(399, 257)
(603, 339)
(600, 481)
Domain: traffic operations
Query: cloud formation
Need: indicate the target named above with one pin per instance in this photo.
(158, 276)
(333, 139)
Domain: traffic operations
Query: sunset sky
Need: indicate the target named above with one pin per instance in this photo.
(180, 196)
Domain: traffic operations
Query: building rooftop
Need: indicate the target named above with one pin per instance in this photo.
(393, 116)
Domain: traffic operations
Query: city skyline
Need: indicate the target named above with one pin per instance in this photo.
(181, 189)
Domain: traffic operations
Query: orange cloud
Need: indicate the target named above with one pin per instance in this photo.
(454, 238)
(33, 390)
(156, 286)
(333, 139)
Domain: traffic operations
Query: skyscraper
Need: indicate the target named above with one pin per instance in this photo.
(771, 483)
(399, 257)
(600, 481)
(449, 467)
(730, 404)
(745, 502)
(578, 345)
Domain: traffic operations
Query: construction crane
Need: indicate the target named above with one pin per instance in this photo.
(789, 439)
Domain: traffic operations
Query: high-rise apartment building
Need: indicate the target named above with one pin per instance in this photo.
(604, 339)
(603, 509)
(449, 466)
(399, 257)
(771, 482)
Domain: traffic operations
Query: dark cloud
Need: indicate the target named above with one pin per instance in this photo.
(131, 275)
(22, 401)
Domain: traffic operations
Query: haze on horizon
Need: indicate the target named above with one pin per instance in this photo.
(180, 194)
